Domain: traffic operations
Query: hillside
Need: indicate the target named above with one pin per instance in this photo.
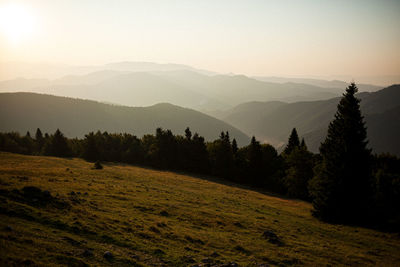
(272, 121)
(14, 70)
(236, 89)
(119, 87)
(319, 82)
(76, 117)
(184, 87)
(146, 217)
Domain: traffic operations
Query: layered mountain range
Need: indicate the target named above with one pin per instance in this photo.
(272, 121)
(128, 95)
(145, 84)
(24, 112)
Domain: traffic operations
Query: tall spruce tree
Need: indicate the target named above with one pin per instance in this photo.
(39, 141)
(303, 144)
(38, 135)
(255, 162)
(299, 171)
(234, 146)
(58, 145)
(188, 133)
(293, 142)
(341, 186)
(89, 147)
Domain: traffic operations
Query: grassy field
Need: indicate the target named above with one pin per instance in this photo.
(147, 217)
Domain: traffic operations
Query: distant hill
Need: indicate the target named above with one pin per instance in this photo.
(14, 70)
(75, 117)
(140, 66)
(183, 87)
(119, 87)
(236, 89)
(272, 121)
(319, 82)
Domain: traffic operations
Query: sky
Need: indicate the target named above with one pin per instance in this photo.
(320, 38)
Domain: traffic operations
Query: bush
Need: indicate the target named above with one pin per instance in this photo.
(98, 166)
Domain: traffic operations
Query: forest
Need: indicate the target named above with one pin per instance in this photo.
(345, 182)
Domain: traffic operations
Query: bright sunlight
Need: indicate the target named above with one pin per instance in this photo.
(17, 23)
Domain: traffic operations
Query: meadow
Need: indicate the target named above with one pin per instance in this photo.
(56, 211)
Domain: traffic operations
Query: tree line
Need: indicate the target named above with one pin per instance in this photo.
(345, 182)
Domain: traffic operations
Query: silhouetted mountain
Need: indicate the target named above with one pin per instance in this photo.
(273, 121)
(236, 89)
(75, 117)
(136, 66)
(119, 87)
(318, 82)
(181, 87)
(13, 70)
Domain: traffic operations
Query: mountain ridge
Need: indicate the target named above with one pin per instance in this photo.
(311, 118)
(76, 117)
(180, 87)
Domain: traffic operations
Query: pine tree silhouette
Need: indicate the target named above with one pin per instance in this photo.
(293, 142)
(234, 146)
(341, 185)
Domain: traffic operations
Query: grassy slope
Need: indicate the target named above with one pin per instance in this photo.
(121, 214)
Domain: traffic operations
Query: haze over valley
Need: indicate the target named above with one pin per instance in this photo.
(207, 133)
(144, 84)
(255, 106)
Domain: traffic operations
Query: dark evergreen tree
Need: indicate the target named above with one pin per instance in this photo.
(341, 185)
(303, 143)
(38, 135)
(273, 169)
(28, 143)
(386, 173)
(234, 146)
(39, 141)
(221, 156)
(227, 139)
(90, 150)
(11, 142)
(188, 133)
(255, 161)
(132, 149)
(199, 154)
(299, 171)
(222, 136)
(58, 145)
(293, 142)
(165, 149)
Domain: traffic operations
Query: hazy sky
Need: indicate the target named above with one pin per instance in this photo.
(299, 37)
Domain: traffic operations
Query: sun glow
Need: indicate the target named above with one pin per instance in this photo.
(17, 23)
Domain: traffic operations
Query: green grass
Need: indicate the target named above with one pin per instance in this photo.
(153, 218)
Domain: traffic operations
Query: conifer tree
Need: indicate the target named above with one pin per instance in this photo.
(58, 145)
(299, 171)
(255, 159)
(39, 141)
(341, 185)
(234, 146)
(221, 156)
(38, 135)
(228, 139)
(303, 144)
(27, 143)
(293, 142)
(222, 136)
(90, 150)
(188, 133)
